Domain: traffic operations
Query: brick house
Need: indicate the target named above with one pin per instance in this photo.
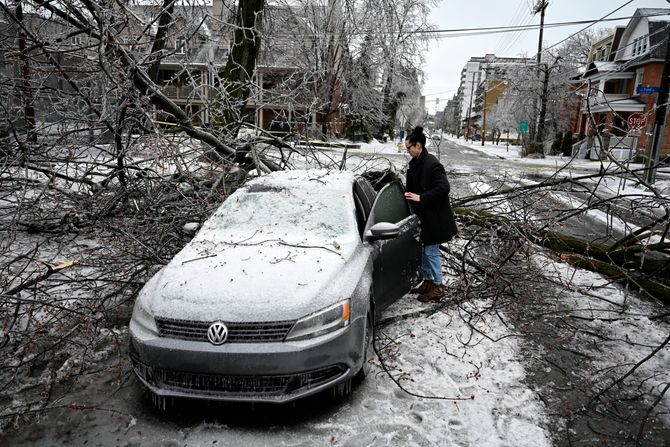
(622, 78)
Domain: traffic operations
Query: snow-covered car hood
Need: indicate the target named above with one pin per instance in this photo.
(268, 281)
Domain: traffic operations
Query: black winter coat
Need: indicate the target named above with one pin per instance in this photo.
(427, 178)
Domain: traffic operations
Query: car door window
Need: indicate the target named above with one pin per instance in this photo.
(390, 206)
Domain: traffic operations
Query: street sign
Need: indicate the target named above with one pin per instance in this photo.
(647, 89)
(523, 126)
(637, 121)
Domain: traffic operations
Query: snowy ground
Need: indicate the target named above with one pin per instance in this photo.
(472, 376)
(475, 376)
(492, 406)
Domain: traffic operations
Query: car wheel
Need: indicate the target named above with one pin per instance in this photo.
(369, 352)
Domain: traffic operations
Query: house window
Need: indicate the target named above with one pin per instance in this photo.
(639, 75)
(640, 46)
(180, 45)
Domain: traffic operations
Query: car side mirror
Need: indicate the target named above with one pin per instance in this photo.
(382, 231)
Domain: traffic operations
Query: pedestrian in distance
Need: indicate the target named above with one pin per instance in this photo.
(428, 193)
(402, 138)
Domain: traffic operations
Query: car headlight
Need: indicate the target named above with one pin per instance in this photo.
(143, 318)
(322, 322)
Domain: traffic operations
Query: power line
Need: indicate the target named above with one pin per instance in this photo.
(466, 32)
(495, 30)
(441, 93)
(516, 20)
(518, 35)
(589, 26)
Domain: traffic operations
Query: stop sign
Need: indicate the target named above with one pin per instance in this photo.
(637, 121)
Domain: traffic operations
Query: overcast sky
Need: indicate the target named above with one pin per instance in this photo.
(447, 56)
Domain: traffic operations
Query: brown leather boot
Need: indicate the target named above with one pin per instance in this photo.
(423, 287)
(435, 293)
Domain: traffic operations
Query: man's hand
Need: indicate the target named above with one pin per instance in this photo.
(413, 197)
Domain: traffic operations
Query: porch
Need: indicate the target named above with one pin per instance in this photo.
(598, 148)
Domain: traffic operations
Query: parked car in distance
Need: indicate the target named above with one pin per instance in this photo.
(276, 296)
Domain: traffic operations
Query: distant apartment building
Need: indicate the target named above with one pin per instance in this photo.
(478, 70)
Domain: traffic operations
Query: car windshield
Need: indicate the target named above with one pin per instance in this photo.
(282, 211)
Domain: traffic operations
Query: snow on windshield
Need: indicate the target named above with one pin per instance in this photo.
(308, 208)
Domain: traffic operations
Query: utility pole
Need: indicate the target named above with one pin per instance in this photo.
(543, 102)
(486, 81)
(540, 7)
(484, 116)
(659, 122)
(472, 90)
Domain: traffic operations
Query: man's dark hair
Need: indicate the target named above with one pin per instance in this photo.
(417, 136)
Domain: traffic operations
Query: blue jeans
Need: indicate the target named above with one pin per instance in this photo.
(431, 264)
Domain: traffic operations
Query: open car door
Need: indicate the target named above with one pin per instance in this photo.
(396, 260)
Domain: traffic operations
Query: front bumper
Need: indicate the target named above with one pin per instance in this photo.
(256, 372)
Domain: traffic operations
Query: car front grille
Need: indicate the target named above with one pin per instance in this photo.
(272, 331)
(265, 385)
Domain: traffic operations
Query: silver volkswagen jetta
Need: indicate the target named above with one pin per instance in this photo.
(275, 298)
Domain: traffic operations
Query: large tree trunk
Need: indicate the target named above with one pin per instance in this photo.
(240, 67)
(160, 39)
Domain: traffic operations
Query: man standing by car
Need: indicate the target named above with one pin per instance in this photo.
(428, 192)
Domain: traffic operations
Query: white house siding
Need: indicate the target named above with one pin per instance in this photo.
(641, 29)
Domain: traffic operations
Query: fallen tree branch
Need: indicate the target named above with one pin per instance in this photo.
(632, 370)
(638, 281)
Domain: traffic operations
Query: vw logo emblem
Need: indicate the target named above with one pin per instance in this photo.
(217, 333)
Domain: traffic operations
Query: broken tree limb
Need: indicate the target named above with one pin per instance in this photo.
(650, 259)
(632, 370)
(637, 280)
(644, 267)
